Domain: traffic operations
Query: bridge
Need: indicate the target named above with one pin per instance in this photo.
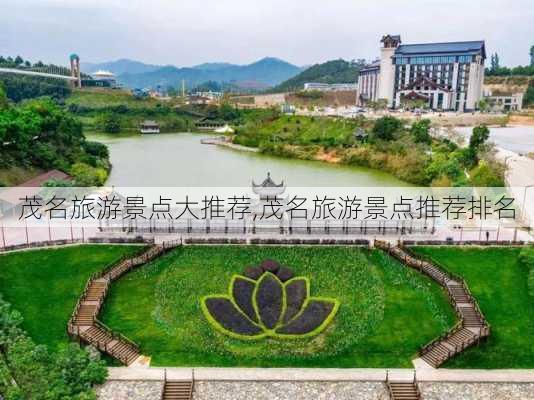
(52, 71)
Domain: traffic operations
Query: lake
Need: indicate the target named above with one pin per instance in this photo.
(180, 160)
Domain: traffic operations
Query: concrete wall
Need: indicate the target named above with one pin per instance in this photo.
(387, 75)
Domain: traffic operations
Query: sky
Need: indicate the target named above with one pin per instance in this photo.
(303, 32)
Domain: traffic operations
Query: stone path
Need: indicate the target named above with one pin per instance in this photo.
(478, 391)
(317, 390)
(205, 390)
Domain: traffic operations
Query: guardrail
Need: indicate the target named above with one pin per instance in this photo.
(63, 242)
(463, 242)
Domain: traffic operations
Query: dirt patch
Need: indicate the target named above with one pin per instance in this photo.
(328, 156)
(522, 120)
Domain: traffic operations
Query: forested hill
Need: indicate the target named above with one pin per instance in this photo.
(263, 73)
(335, 71)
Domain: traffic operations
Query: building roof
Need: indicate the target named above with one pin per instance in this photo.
(32, 187)
(268, 187)
(40, 179)
(149, 123)
(394, 37)
(103, 74)
(374, 65)
(471, 47)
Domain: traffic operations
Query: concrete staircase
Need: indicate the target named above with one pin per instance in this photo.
(178, 390)
(402, 390)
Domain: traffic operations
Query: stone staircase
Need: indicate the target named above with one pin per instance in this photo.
(403, 390)
(177, 390)
(84, 323)
(472, 326)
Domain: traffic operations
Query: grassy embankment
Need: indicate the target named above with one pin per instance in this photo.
(391, 145)
(44, 285)
(499, 283)
(158, 306)
(97, 109)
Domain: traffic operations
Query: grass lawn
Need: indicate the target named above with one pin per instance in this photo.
(99, 98)
(499, 283)
(44, 285)
(387, 311)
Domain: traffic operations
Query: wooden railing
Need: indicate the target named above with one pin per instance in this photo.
(115, 335)
(421, 262)
(454, 277)
(110, 273)
(434, 342)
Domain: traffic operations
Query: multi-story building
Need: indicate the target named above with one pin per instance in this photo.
(504, 102)
(445, 76)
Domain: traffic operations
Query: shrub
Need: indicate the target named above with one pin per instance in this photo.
(85, 175)
(419, 130)
(96, 149)
(110, 123)
(487, 174)
(38, 373)
(386, 127)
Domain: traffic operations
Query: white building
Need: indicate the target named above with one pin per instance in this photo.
(447, 76)
(107, 77)
(504, 102)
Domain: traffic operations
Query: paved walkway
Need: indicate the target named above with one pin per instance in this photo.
(519, 176)
(320, 374)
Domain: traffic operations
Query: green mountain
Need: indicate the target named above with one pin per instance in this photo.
(264, 73)
(120, 66)
(335, 71)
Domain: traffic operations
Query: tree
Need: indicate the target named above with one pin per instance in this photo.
(486, 175)
(412, 104)
(495, 63)
(30, 371)
(3, 98)
(18, 60)
(532, 56)
(42, 135)
(528, 98)
(110, 123)
(479, 136)
(386, 127)
(86, 175)
(420, 129)
(483, 105)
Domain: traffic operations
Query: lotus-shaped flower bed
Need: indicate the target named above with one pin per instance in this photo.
(269, 302)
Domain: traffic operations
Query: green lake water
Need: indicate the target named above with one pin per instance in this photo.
(180, 160)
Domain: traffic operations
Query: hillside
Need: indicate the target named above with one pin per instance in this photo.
(265, 72)
(335, 71)
(119, 67)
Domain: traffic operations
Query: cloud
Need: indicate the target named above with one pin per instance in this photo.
(189, 32)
